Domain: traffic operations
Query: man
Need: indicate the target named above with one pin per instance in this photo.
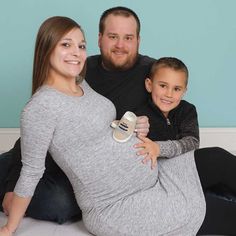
(118, 74)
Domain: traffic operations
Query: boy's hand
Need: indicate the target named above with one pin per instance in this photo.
(142, 126)
(6, 203)
(149, 149)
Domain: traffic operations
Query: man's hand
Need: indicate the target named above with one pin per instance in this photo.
(142, 126)
(6, 203)
(149, 149)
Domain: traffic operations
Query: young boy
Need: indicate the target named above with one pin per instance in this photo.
(173, 121)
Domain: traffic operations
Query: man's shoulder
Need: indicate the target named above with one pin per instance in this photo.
(145, 60)
(93, 61)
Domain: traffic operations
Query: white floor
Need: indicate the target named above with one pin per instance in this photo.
(31, 227)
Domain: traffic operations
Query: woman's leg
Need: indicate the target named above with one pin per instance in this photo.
(216, 166)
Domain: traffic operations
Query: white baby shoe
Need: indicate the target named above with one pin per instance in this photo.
(124, 129)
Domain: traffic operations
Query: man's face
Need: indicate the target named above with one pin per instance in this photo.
(119, 43)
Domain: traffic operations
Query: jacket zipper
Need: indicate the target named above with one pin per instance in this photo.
(168, 121)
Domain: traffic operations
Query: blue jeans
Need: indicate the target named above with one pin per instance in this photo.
(217, 172)
(53, 199)
(5, 163)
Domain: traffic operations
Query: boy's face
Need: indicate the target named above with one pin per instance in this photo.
(167, 88)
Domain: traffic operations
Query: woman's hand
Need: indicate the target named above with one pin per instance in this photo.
(16, 213)
(5, 232)
(142, 126)
(6, 203)
(149, 149)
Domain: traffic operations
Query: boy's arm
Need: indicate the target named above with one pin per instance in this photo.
(148, 149)
(188, 136)
(172, 148)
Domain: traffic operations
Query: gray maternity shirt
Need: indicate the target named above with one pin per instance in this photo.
(118, 194)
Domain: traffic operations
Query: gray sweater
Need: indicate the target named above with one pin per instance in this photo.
(118, 194)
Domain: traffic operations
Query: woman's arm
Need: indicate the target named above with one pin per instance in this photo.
(37, 128)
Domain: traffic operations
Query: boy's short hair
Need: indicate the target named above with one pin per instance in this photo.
(169, 62)
(118, 11)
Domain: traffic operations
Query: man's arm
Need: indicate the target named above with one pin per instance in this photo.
(142, 126)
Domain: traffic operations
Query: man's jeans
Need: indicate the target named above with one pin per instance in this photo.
(53, 199)
(5, 162)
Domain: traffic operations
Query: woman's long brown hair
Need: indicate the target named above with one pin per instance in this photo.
(49, 34)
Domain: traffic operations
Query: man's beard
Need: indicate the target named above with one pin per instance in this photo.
(111, 66)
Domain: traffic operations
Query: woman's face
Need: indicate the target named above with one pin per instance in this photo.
(68, 58)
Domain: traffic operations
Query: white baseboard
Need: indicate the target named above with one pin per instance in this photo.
(221, 137)
(8, 136)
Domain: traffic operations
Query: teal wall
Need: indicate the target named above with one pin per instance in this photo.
(202, 33)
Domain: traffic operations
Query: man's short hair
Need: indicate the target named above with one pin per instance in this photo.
(118, 11)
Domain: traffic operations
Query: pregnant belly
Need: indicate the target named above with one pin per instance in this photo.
(113, 170)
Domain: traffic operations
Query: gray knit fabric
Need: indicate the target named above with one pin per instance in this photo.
(119, 196)
(173, 148)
